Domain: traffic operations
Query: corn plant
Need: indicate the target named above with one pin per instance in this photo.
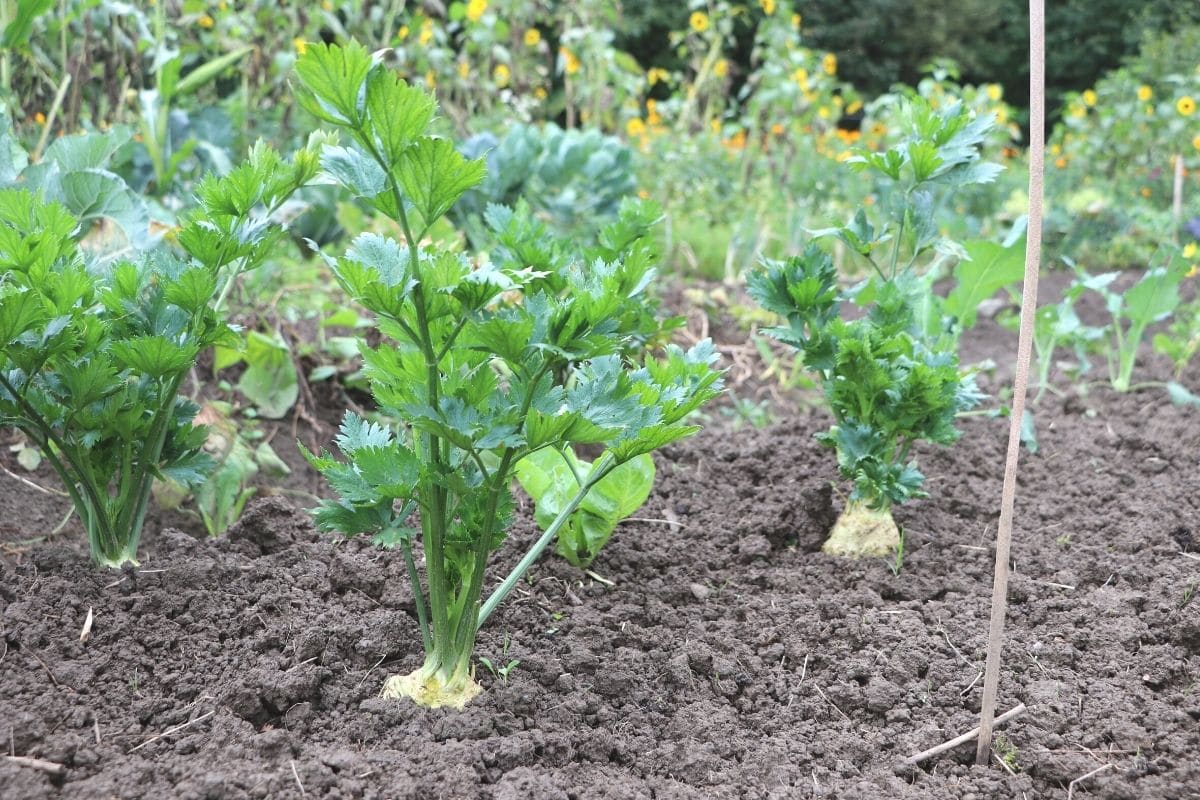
(481, 365)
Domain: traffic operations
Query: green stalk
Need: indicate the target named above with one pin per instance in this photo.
(601, 469)
(418, 596)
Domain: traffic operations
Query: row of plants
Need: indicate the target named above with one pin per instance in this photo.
(505, 329)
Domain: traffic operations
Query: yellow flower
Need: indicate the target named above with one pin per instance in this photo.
(829, 64)
(402, 34)
(501, 75)
(1145, 93)
(205, 21)
(1186, 106)
(800, 76)
(533, 37)
(1078, 111)
(768, 6)
(1196, 143)
(1056, 149)
(1189, 250)
(1001, 115)
(570, 61)
(854, 107)
(657, 74)
(878, 129)
(1145, 191)
(540, 93)
(327, 5)
(635, 127)
(1060, 162)
(699, 21)
(994, 92)
(777, 129)
(300, 45)
(652, 115)
(796, 21)
(715, 125)
(721, 68)
(1089, 98)
(426, 32)
(475, 9)
(1193, 272)
(464, 69)
(430, 79)
(823, 112)
(39, 118)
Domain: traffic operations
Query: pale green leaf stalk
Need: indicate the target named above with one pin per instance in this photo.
(481, 365)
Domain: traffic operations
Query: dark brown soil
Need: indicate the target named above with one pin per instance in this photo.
(730, 660)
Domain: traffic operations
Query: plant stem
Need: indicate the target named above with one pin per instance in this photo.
(418, 597)
(599, 470)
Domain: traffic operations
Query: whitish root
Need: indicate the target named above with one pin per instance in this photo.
(863, 532)
(432, 689)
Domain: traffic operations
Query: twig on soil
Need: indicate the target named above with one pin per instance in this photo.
(37, 763)
(35, 486)
(296, 775)
(1004, 764)
(369, 671)
(956, 741)
(674, 522)
(1193, 556)
(835, 708)
(1081, 778)
(173, 730)
(96, 727)
(599, 578)
(1056, 585)
(46, 667)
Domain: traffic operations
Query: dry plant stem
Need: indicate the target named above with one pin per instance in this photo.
(959, 740)
(37, 763)
(1037, 164)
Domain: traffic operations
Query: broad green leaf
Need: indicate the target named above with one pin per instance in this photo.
(154, 355)
(991, 268)
(270, 380)
(434, 175)
(192, 290)
(355, 170)
(16, 33)
(398, 112)
(333, 76)
(1154, 296)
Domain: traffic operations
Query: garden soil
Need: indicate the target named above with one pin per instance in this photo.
(729, 658)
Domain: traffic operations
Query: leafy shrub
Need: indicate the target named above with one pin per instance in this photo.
(483, 365)
(92, 357)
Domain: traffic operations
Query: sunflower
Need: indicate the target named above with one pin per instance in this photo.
(475, 10)
(533, 37)
(1144, 93)
(699, 21)
(1186, 106)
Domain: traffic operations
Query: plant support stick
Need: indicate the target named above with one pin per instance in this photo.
(1037, 162)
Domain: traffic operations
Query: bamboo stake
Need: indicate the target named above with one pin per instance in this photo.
(1033, 246)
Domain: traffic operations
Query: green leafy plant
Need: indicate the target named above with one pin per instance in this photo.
(1181, 341)
(1152, 299)
(482, 365)
(886, 388)
(551, 477)
(92, 358)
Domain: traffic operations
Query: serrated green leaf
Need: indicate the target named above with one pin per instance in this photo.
(434, 175)
(155, 356)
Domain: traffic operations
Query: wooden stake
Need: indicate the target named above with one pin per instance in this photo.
(1033, 251)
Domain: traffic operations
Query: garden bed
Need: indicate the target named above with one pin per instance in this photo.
(730, 659)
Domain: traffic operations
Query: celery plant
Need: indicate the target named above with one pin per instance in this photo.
(92, 358)
(483, 365)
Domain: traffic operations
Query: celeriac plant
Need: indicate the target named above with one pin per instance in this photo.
(483, 365)
(892, 378)
(92, 357)
(886, 388)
